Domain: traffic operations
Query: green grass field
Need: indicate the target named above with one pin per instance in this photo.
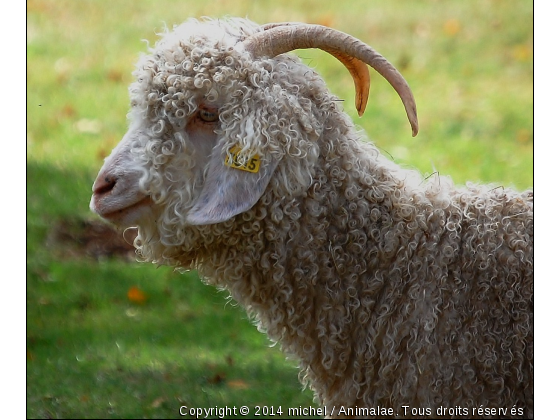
(108, 337)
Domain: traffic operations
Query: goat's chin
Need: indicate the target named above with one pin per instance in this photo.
(123, 217)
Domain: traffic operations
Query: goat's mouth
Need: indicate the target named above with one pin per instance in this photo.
(120, 215)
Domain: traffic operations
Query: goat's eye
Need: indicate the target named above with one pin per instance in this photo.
(208, 116)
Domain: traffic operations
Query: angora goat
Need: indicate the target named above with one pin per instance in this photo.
(393, 292)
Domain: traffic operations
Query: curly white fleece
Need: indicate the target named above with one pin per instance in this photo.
(389, 289)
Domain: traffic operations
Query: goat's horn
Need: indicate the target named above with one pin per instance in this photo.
(279, 38)
(358, 70)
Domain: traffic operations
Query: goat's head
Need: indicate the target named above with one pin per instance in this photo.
(216, 108)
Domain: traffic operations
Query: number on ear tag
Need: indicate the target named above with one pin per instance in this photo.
(232, 160)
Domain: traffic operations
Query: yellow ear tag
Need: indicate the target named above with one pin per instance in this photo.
(232, 160)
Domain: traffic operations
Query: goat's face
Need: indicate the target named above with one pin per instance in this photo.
(209, 127)
(218, 114)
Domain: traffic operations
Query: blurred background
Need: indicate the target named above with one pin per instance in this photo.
(108, 337)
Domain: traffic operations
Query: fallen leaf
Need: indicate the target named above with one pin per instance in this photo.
(68, 111)
(237, 384)
(522, 52)
(524, 136)
(115, 75)
(135, 295)
(157, 402)
(451, 27)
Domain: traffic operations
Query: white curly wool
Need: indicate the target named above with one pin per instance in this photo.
(390, 290)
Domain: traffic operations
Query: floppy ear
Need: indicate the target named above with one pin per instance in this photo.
(231, 187)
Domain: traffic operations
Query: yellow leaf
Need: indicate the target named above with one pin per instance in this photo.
(237, 384)
(522, 52)
(451, 27)
(524, 136)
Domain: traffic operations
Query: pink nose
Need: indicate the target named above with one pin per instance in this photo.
(104, 184)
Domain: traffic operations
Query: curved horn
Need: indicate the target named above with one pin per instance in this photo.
(284, 37)
(357, 69)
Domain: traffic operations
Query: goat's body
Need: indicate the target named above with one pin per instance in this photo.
(391, 290)
(392, 299)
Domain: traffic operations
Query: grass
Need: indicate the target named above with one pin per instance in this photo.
(96, 351)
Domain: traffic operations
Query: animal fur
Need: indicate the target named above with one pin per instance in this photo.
(389, 289)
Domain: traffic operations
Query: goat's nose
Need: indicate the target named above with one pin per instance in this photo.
(104, 184)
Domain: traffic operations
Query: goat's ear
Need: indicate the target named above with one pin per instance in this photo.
(230, 188)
